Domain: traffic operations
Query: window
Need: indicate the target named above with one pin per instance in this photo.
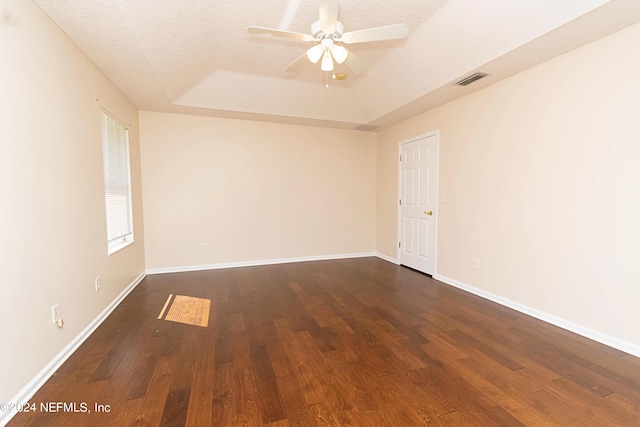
(117, 182)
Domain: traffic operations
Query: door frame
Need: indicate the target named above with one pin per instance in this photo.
(435, 133)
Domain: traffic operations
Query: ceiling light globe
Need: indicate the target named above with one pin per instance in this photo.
(339, 53)
(315, 53)
(327, 62)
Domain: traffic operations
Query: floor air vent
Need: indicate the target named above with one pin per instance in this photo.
(470, 79)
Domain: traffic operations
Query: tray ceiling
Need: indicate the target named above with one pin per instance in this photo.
(196, 56)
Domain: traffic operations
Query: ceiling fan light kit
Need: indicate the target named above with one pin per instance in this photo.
(315, 53)
(339, 53)
(327, 61)
(328, 32)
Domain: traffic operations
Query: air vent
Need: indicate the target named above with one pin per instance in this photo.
(470, 79)
(367, 128)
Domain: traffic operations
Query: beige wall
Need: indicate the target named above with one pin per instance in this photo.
(52, 221)
(253, 190)
(541, 174)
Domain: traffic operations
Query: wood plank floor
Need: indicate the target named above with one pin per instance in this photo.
(357, 342)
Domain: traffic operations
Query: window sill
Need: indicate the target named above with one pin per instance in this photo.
(115, 248)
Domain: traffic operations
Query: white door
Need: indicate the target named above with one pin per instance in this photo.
(418, 172)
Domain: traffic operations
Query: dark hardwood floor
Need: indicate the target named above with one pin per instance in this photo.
(358, 342)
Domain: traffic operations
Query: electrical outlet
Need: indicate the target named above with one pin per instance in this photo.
(475, 264)
(205, 246)
(55, 315)
(97, 283)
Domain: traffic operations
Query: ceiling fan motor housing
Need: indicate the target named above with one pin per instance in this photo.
(317, 32)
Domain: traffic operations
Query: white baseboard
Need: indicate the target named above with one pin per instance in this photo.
(600, 337)
(182, 269)
(387, 258)
(45, 373)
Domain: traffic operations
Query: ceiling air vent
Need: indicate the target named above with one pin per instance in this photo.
(470, 79)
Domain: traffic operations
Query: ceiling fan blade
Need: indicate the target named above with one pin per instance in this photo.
(281, 33)
(389, 32)
(355, 64)
(297, 64)
(329, 10)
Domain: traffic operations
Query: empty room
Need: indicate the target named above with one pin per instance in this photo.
(320, 213)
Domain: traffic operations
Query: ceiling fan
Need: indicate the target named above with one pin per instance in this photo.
(328, 35)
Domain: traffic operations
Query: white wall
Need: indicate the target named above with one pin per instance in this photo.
(52, 220)
(541, 173)
(253, 191)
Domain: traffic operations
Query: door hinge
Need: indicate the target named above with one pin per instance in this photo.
(399, 244)
(401, 202)
(400, 157)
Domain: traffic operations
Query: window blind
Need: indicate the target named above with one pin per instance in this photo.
(117, 187)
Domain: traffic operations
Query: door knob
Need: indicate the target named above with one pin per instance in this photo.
(428, 212)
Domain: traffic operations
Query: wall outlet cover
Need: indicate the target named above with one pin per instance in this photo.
(55, 314)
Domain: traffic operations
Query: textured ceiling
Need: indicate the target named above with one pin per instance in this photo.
(195, 56)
